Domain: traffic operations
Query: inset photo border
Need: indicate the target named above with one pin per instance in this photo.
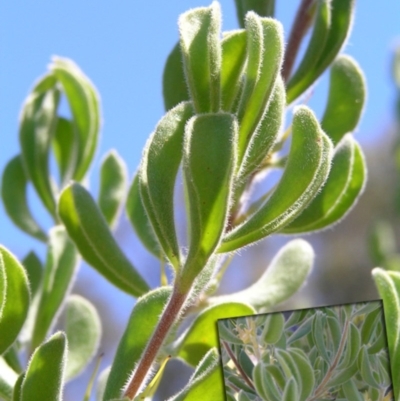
(319, 354)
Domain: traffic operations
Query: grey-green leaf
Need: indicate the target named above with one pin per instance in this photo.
(14, 194)
(113, 180)
(61, 264)
(285, 274)
(306, 170)
(264, 8)
(209, 160)
(175, 89)
(44, 376)
(17, 299)
(199, 30)
(143, 320)
(37, 128)
(347, 93)
(84, 103)
(137, 215)
(89, 230)
(83, 331)
(157, 173)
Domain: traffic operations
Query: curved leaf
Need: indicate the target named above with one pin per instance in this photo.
(143, 320)
(13, 192)
(37, 128)
(233, 61)
(17, 299)
(306, 170)
(285, 274)
(3, 286)
(113, 178)
(209, 159)
(175, 89)
(84, 103)
(89, 231)
(61, 264)
(330, 200)
(158, 169)
(199, 31)
(303, 77)
(34, 269)
(339, 28)
(8, 378)
(44, 376)
(83, 331)
(137, 215)
(206, 382)
(264, 60)
(264, 8)
(347, 93)
(202, 334)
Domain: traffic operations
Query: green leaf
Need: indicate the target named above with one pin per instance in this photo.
(45, 372)
(364, 366)
(264, 138)
(3, 286)
(199, 30)
(137, 215)
(8, 379)
(13, 192)
(264, 383)
(84, 103)
(175, 89)
(18, 387)
(113, 179)
(89, 231)
(157, 173)
(209, 159)
(291, 391)
(143, 320)
(83, 331)
(382, 242)
(65, 148)
(347, 93)
(273, 328)
(264, 60)
(306, 170)
(17, 299)
(264, 8)
(233, 61)
(202, 334)
(339, 28)
(351, 392)
(303, 76)
(284, 276)
(344, 185)
(206, 382)
(37, 127)
(61, 264)
(34, 269)
(318, 334)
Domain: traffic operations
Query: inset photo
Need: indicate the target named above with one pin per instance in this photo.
(320, 354)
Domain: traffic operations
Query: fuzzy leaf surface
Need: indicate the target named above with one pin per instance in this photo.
(264, 8)
(199, 31)
(83, 331)
(159, 167)
(347, 93)
(34, 269)
(45, 373)
(14, 194)
(113, 179)
(143, 320)
(16, 299)
(89, 231)
(306, 170)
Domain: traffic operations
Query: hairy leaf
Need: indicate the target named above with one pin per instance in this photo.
(61, 264)
(113, 179)
(199, 30)
(13, 192)
(264, 8)
(17, 299)
(157, 173)
(89, 231)
(34, 269)
(45, 373)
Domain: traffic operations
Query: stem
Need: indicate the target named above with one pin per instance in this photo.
(299, 29)
(168, 317)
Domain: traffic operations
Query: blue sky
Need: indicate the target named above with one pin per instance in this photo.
(122, 47)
